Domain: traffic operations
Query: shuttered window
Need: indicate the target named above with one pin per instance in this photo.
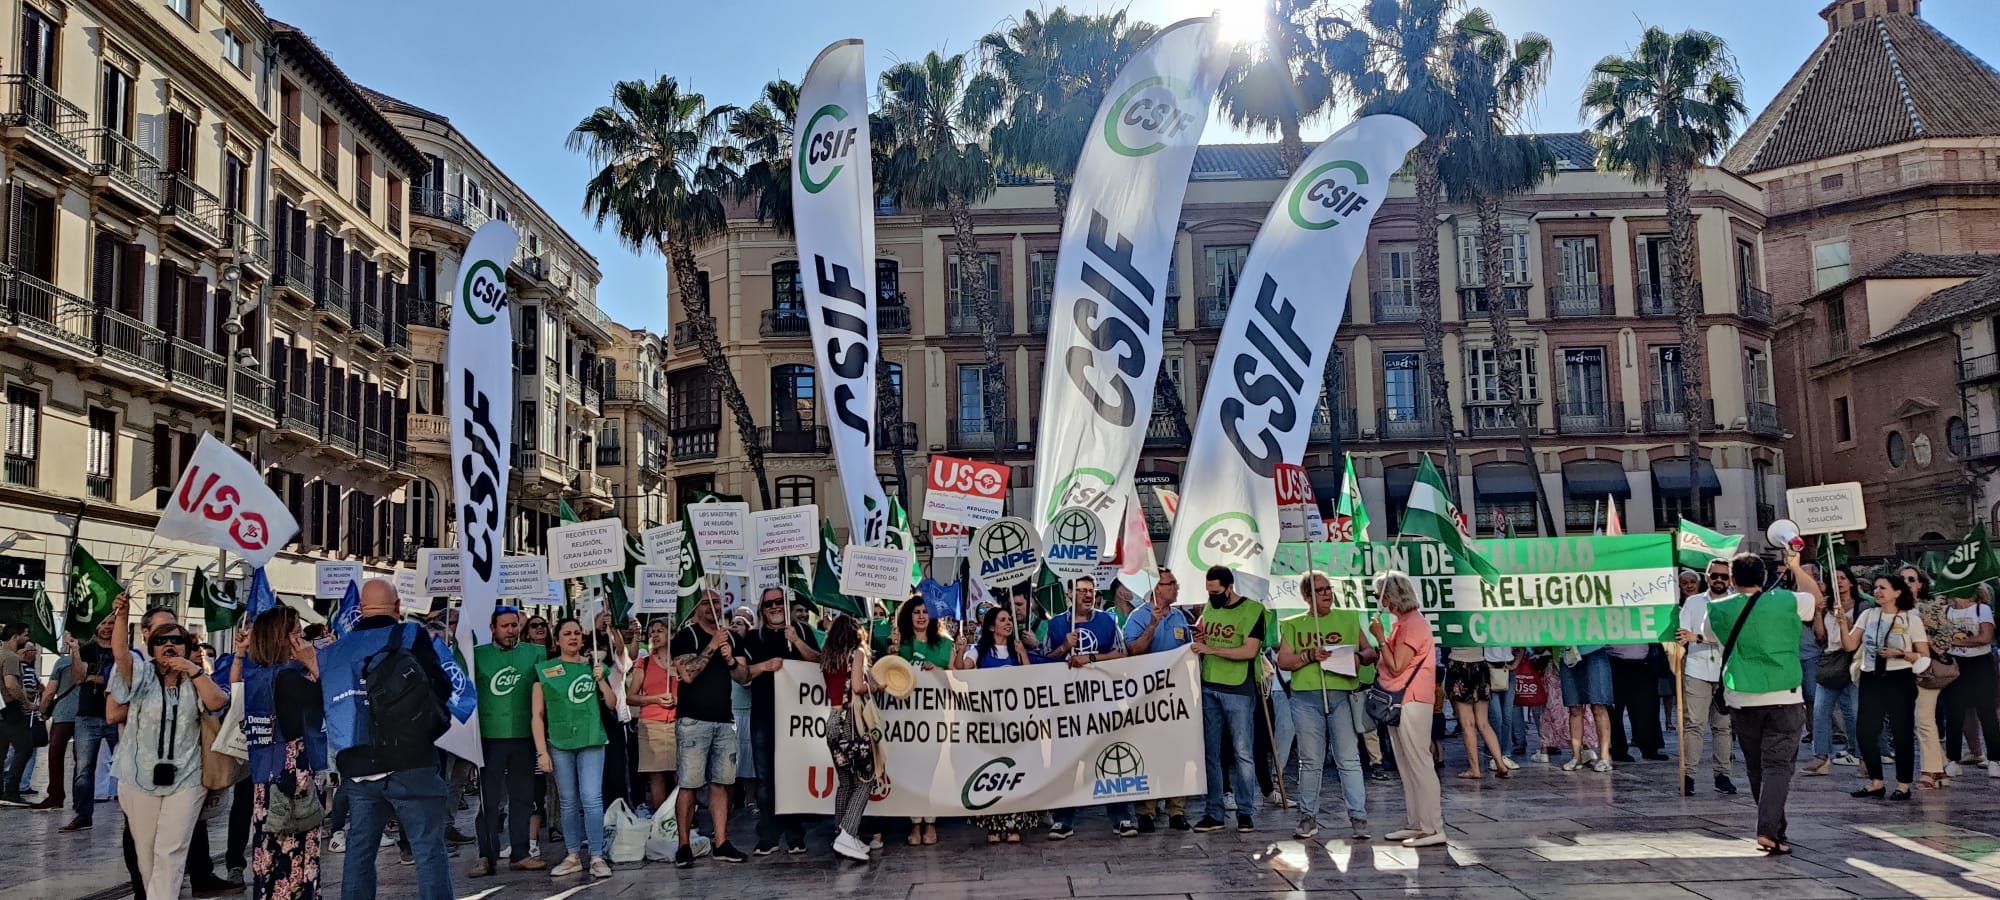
(101, 454)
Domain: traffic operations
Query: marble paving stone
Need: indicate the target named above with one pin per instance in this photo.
(1644, 891)
(1782, 889)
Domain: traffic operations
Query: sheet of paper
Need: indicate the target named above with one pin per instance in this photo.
(1341, 661)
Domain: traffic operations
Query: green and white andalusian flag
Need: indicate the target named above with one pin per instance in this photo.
(1696, 546)
(1432, 515)
(1350, 515)
(219, 611)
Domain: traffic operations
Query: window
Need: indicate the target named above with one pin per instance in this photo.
(1655, 263)
(1583, 381)
(889, 379)
(1225, 269)
(395, 197)
(795, 490)
(1746, 265)
(1577, 261)
(1899, 450)
(1843, 422)
(182, 8)
(364, 180)
(1956, 438)
(1513, 257)
(1836, 325)
(1832, 182)
(1757, 375)
(958, 290)
(1669, 396)
(422, 377)
(972, 399)
(115, 107)
(329, 151)
(550, 415)
(290, 108)
(38, 55)
(1830, 265)
(1482, 375)
(232, 48)
(101, 453)
(24, 434)
(693, 400)
(794, 399)
(1041, 282)
(787, 291)
(33, 236)
(1402, 386)
(888, 283)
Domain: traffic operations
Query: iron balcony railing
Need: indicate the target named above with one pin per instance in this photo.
(892, 319)
(42, 307)
(1170, 314)
(250, 242)
(295, 272)
(1591, 417)
(116, 157)
(368, 318)
(1575, 301)
(1979, 368)
(333, 301)
(375, 446)
(1656, 299)
(1474, 303)
(1982, 446)
(979, 434)
(1163, 432)
(191, 205)
(789, 322)
(132, 342)
(44, 111)
(205, 369)
(448, 207)
(1038, 314)
(892, 435)
(1756, 305)
(288, 136)
(1671, 416)
(963, 318)
(1210, 312)
(1497, 419)
(301, 414)
(1396, 305)
(342, 433)
(610, 456)
(1407, 423)
(1764, 420)
(683, 336)
(794, 440)
(1324, 421)
(255, 392)
(427, 313)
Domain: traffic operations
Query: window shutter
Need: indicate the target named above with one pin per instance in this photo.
(281, 225)
(132, 282)
(16, 201)
(31, 422)
(194, 310)
(225, 303)
(176, 149)
(319, 263)
(167, 316)
(104, 271)
(162, 447)
(299, 232)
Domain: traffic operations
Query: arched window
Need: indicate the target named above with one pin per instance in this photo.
(795, 490)
(424, 504)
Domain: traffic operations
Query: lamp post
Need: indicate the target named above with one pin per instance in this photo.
(233, 356)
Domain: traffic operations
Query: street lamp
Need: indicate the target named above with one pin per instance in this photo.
(234, 356)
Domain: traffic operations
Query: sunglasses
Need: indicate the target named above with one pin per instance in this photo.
(538, 624)
(775, 604)
(168, 640)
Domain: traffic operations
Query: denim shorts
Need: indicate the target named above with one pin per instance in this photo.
(1588, 683)
(707, 752)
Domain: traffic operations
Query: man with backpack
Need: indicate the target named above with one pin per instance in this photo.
(391, 690)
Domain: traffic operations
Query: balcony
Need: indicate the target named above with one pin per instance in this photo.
(1396, 305)
(794, 440)
(201, 369)
(1163, 433)
(1592, 417)
(1170, 313)
(1472, 302)
(1497, 419)
(1038, 315)
(895, 435)
(1407, 423)
(450, 208)
(1764, 420)
(963, 318)
(1580, 301)
(130, 342)
(1210, 312)
(1671, 416)
(1756, 305)
(635, 392)
(610, 456)
(984, 434)
(597, 487)
(1979, 368)
(428, 314)
(430, 434)
(118, 163)
(49, 311)
(892, 319)
(683, 336)
(35, 112)
(593, 396)
(342, 433)
(1656, 300)
(332, 302)
(246, 241)
(368, 319)
(784, 323)
(191, 208)
(304, 417)
(1325, 420)
(375, 447)
(652, 462)
(698, 443)
(288, 136)
(295, 274)
(535, 268)
(1981, 447)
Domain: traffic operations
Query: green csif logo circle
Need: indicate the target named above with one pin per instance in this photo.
(1069, 492)
(1148, 115)
(834, 143)
(1230, 539)
(483, 293)
(1320, 200)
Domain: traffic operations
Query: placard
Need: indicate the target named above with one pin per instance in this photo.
(1826, 508)
(663, 542)
(523, 576)
(587, 548)
(409, 592)
(720, 527)
(1006, 552)
(950, 539)
(767, 573)
(733, 562)
(1074, 542)
(792, 531)
(557, 596)
(333, 578)
(659, 589)
(440, 571)
(965, 492)
(1295, 495)
(876, 571)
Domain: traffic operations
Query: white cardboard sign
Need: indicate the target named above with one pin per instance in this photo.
(662, 542)
(659, 589)
(587, 548)
(333, 578)
(731, 562)
(720, 527)
(409, 592)
(523, 576)
(875, 571)
(1826, 508)
(792, 531)
(441, 571)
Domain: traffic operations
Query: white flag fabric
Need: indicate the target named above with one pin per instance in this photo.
(833, 214)
(1106, 325)
(221, 501)
(1256, 411)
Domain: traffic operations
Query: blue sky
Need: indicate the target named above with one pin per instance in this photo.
(516, 75)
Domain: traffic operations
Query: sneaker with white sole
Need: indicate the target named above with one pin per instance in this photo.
(1573, 765)
(1844, 758)
(1993, 769)
(599, 868)
(1589, 754)
(1509, 763)
(1428, 840)
(338, 844)
(1541, 756)
(570, 865)
(1602, 765)
(1308, 828)
(851, 847)
(1403, 834)
(1953, 769)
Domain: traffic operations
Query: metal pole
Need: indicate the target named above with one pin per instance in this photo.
(230, 330)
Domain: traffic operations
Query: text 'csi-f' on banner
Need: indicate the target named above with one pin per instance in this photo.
(1014, 739)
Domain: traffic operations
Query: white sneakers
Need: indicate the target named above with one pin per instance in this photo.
(1993, 770)
(1402, 834)
(570, 865)
(338, 844)
(1953, 769)
(851, 847)
(1844, 758)
(1541, 756)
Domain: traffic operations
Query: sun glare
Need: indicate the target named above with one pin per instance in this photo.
(1242, 20)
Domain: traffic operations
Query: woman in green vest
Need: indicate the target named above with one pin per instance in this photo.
(570, 738)
(920, 639)
(1892, 641)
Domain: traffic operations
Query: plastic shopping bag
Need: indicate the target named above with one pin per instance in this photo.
(663, 834)
(625, 832)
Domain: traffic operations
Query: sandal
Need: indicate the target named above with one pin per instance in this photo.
(1504, 773)
(1013, 837)
(1931, 781)
(930, 835)
(1469, 775)
(916, 836)
(992, 837)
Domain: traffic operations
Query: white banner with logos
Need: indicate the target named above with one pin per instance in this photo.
(1257, 409)
(1015, 739)
(1108, 321)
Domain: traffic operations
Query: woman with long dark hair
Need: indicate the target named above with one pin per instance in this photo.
(920, 639)
(844, 663)
(278, 671)
(1935, 768)
(999, 645)
(1891, 640)
(1843, 695)
(1969, 621)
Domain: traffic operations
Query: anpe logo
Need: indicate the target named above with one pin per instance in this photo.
(1006, 551)
(829, 145)
(1148, 115)
(483, 293)
(1321, 199)
(1229, 537)
(990, 783)
(1121, 770)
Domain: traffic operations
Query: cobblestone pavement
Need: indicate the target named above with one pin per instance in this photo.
(1544, 833)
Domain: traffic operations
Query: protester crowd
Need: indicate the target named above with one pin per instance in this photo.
(574, 719)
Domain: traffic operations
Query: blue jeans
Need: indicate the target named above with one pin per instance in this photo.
(417, 799)
(91, 735)
(1225, 710)
(1324, 717)
(1285, 731)
(1506, 719)
(580, 781)
(1115, 812)
(1825, 699)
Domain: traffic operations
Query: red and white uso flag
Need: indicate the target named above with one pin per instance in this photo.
(221, 502)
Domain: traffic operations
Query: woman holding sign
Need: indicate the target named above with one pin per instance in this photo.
(844, 663)
(569, 732)
(999, 645)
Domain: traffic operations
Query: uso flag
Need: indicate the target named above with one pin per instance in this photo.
(221, 502)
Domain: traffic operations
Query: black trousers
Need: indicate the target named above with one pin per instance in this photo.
(619, 758)
(1889, 697)
(239, 825)
(506, 786)
(1769, 736)
(1635, 694)
(1973, 692)
(15, 748)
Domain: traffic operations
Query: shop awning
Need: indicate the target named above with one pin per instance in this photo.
(1670, 478)
(1504, 482)
(1595, 479)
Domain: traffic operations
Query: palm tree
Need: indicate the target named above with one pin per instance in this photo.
(666, 175)
(1284, 79)
(929, 140)
(1483, 163)
(764, 131)
(1660, 112)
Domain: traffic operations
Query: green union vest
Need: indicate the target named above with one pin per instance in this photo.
(1766, 656)
(1227, 627)
(1338, 626)
(505, 700)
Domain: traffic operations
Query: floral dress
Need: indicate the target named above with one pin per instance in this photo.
(285, 866)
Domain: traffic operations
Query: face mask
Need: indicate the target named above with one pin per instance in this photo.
(1217, 597)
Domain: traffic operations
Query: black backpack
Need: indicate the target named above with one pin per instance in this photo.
(405, 711)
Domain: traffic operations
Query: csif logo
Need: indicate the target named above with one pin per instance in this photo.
(504, 681)
(1323, 198)
(828, 148)
(484, 291)
(583, 690)
(990, 783)
(1225, 539)
(1148, 115)
(1090, 488)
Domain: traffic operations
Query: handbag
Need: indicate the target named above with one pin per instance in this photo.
(1529, 689)
(1942, 671)
(218, 770)
(1835, 669)
(291, 813)
(1385, 707)
(38, 731)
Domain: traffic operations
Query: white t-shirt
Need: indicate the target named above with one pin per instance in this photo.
(1902, 631)
(1968, 621)
(1704, 658)
(972, 652)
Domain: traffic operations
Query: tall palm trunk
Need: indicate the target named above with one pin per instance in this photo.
(987, 307)
(1063, 185)
(702, 317)
(1687, 311)
(1503, 346)
(1430, 305)
(1291, 148)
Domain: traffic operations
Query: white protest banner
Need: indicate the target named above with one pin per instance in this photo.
(792, 531)
(719, 527)
(1007, 740)
(1107, 321)
(410, 592)
(332, 578)
(948, 539)
(479, 391)
(662, 544)
(1074, 543)
(1294, 495)
(557, 595)
(442, 572)
(587, 548)
(222, 502)
(1257, 409)
(965, 492)
(1826, 508)
(523, 576)
(1006, 552)
(876, 571)
(658, 587)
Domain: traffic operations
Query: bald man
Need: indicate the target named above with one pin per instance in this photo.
(394, 768)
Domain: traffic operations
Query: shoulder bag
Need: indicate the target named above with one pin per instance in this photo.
(1729, 646)
(1385, 707)
(1942, 670)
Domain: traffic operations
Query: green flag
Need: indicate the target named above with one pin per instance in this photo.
(692, 577)
(92, 590)
(219, 611)
(898, 536)
(826, 577)
(42, 628)
(1431, 514)
(1970, 564)
(1049, 596)
(1350, 515)
(1695, 547)
(1832, 551)
(564, 513)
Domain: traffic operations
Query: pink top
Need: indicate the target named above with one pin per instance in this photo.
(655, 680)
(1414, 631)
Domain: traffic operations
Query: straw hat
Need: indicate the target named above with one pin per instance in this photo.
(895, 675)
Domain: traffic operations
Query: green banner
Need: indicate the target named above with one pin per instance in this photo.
(1551, 591)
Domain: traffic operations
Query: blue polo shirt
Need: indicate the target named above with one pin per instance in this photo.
(1174, 631)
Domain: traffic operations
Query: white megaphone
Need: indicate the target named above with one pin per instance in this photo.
(1785, 533)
